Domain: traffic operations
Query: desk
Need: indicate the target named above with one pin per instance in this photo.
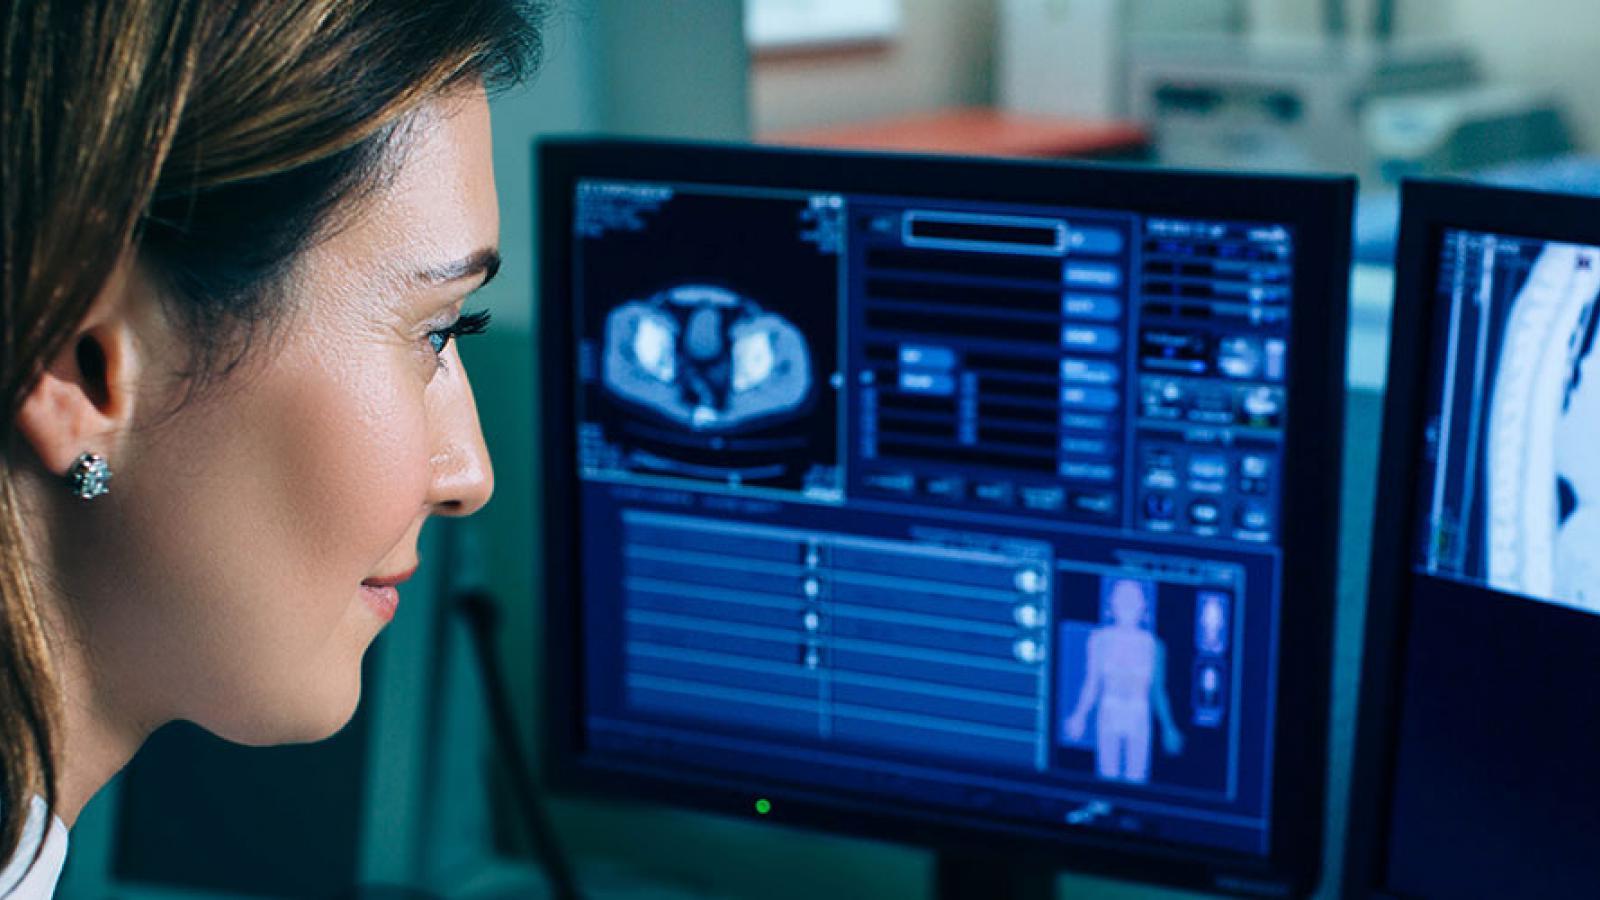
(978, 131)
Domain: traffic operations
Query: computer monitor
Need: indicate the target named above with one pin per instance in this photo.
(1479, 735)
(978, 504)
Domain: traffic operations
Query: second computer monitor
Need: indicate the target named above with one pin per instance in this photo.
(1476, 765)
(947, 501)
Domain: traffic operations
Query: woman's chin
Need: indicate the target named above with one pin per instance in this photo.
(296, 721)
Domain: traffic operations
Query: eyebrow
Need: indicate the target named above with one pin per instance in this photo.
(485, 262)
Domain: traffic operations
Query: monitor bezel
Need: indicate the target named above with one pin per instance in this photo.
(1429, 207)
(1318, 208)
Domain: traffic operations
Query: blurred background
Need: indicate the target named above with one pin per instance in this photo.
(412, 793)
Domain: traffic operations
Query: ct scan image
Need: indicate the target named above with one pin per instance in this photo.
(1512, 493)
(1544, 436)
(710, 352)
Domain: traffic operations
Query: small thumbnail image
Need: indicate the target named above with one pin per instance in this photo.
(711, 345)
(1122, 684)
(1140, 685)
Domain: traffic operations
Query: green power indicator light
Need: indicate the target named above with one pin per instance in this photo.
(763, 806)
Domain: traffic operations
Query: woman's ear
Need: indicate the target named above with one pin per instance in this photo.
(84, 399)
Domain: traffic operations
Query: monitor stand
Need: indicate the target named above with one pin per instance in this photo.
(960, 876)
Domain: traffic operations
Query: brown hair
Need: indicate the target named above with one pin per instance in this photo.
(212, 139)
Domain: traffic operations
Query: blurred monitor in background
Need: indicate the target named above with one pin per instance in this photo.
(1476, 757)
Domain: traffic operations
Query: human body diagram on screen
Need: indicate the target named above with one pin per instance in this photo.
(1124, 686)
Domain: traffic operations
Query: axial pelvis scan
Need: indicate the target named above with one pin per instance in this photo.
(711, 352)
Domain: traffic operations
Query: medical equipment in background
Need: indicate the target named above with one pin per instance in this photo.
(1068, 58)
(1382, 109)
(1285, 104)
(1463, 130)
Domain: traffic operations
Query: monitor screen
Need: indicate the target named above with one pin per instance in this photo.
(1512, 471)
(1478, 723)
(971, 507)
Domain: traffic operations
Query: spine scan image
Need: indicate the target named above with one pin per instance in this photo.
(1543, 479)
(1577, 578)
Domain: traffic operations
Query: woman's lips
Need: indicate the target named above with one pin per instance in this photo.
(383, 599)
(390, 580)
(383, 594)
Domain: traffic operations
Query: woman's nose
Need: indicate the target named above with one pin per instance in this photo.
(463, 477)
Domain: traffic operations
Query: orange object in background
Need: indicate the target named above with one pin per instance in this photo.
(978, 131)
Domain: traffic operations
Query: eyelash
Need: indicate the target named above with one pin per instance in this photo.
(467, 324)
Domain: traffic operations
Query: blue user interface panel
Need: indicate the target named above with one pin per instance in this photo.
(966, 508)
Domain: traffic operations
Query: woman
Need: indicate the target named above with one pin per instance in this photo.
(238, 235)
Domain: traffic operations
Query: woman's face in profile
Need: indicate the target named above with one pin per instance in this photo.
(230, 592)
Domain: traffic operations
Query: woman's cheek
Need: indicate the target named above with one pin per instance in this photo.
(364, 454)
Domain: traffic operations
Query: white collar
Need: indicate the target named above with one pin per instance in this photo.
(19, 881)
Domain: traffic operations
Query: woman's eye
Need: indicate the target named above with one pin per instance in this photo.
(468, 323)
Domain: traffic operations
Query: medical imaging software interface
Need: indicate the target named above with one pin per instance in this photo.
(1511, 475)
(966, 507)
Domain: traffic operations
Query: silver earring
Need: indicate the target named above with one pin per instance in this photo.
(88, 476)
